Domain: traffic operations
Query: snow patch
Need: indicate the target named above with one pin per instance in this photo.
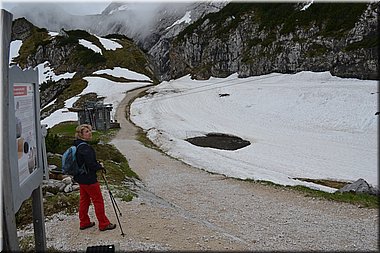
(90, 45)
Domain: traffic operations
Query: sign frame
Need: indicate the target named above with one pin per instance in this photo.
(23, 190)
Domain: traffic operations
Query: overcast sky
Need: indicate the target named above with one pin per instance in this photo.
(80, 7)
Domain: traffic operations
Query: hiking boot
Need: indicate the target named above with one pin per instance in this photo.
(109, 227)
(88, 226)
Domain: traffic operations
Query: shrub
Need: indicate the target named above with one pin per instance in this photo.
(52, 142)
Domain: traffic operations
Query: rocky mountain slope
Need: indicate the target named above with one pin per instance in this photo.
(144, 22)
(260, 38)
(65, 53)
(220, 38)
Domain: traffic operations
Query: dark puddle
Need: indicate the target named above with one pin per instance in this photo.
(219, 141)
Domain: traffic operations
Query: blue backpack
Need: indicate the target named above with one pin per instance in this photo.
(69, 162)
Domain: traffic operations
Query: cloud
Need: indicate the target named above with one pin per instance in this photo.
(137, 20)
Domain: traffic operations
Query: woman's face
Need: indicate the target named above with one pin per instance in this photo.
(87, 134)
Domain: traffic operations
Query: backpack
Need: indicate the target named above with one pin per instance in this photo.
(69, 162)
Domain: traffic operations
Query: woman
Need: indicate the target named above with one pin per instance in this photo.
(89, 187)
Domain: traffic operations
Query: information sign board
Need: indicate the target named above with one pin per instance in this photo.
(25, 131)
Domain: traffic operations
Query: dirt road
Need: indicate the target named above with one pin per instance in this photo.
(183, 208)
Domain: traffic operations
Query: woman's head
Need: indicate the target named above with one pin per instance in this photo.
(83, 132)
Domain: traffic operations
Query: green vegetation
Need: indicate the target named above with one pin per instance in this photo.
(269, 39)
(65, 41)
(130, 56)
(73, 37)
(316, 50)
(325, 182)
(118, 36)
(333, 19)
(86, 58)
(141, 137)
(367, 42)
(359, 199)
(52, 142)
(67, 203)
(77, 85)
(45, 85)
(92, 96)
(225, 20)
(78, 34)
(38, 37)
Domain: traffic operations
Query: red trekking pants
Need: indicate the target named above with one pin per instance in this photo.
(88, 193)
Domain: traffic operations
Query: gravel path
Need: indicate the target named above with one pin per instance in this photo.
(184, 208)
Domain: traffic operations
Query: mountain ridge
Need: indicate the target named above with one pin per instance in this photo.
(221, 38)
(247, 39)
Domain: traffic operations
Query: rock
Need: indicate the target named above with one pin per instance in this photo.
(67, 180)
(52, 167)
(374, 191)
(68, 188)
(21, 29)
(62, 188)
(249, 49)
(49, 194)
(75, 187)
(57, 176)
(359, 186)
(52, 186)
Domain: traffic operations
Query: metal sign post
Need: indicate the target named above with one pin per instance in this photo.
(9, 238)
(22, 161)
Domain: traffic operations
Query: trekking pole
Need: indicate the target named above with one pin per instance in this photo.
(113, 204)
(111, 195)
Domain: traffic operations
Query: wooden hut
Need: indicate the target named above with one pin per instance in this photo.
(95, 113)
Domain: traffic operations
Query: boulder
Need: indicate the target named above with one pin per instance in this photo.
(359, 186)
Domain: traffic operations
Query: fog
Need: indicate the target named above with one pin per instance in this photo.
(134, 19)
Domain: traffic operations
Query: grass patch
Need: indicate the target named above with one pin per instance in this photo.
(27, 245)
(54, 160)
(325, 182)
(38, 37)
(67, 203)
(64, 128)
(358, 199)
(131, 57)
(80, 103)
(141, 137)
(77, 85)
